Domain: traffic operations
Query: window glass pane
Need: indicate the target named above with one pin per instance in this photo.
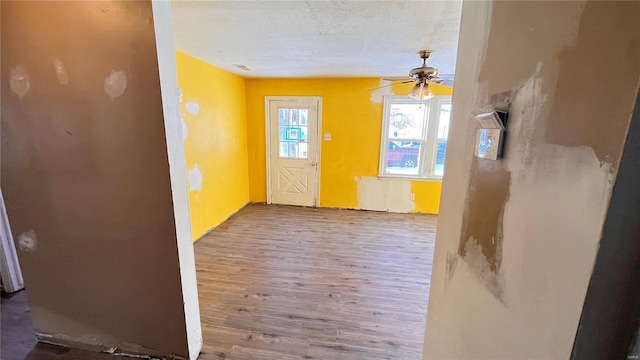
(293, 141)
(406, 121)
(443, 121)
(403, 157)
(441, 142)
(441, 150)
(283, 116)
(302, 150)
(283, 133)
(304, 114)
(288, 149)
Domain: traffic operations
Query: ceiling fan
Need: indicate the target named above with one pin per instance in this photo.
(422, 76)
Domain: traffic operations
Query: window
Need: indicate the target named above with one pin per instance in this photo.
(293, 133)
(414, 137)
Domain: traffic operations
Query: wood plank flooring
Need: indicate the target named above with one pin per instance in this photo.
(280, 282)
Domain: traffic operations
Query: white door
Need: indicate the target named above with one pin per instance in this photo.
(292, 144)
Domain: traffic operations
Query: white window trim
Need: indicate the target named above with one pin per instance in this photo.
(428, 151)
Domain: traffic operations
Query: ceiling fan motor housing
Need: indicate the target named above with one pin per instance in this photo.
(423, 72)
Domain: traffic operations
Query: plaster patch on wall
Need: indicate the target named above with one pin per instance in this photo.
(491, 181)
(385, 88)
(393, 195)
(195, 179)
(61, 71)
(115, 83)
(185, 129)
(193, 108)
(180, 95)
(491, 278)
(27, 241)
(19, 81)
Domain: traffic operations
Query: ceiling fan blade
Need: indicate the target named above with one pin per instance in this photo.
(396, 78)
(384, 86)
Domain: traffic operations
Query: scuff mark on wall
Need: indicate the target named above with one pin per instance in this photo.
(195, 179)
(452, 263)
(61, 71)
(193, 108)
(19, 81)
(393, 195)
(27, 241)
(115, 83)
(385, 88)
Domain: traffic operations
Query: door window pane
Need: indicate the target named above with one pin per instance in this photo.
(292, 133)
(403, 157)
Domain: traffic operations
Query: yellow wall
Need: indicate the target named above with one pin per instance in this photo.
(355, 124)
(216, 141)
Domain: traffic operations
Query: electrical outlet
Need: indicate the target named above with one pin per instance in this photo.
(412, 197)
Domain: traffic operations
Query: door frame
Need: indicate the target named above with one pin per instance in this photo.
(267, 99)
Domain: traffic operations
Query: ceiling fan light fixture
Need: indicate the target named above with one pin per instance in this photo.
(421, 92)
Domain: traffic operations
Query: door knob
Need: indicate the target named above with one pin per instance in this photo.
(313, 163)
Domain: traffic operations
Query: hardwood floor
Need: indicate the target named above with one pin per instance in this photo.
(280, 282)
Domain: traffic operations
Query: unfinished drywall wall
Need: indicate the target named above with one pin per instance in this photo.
(86, 177)
(517, 238)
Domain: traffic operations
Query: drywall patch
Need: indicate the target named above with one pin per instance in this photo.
(185, 129)
(193, 108)
(493, 279)
(27, 241)
(384, 88)
(195, 179)
(61, 71)
(115, 83)
(393, 195)
(19, 81)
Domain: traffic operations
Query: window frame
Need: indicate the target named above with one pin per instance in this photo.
(428, 152)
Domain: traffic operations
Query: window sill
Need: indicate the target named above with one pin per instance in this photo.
(412, 178)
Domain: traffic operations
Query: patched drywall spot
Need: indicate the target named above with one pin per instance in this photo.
(27, 241)
(185, 129)
(193, 108)
(180, 95)
(393, 195)
(115, 83)
(195, 179)
(476, 259)
(61, 71)
(19, 81)
(384, 88)
(482, 220)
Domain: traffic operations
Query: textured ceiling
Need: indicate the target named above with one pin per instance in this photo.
(318, 38)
